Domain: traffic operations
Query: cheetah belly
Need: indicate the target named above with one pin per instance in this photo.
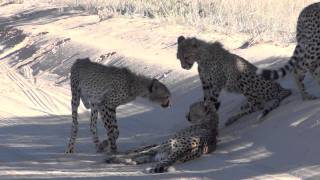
(160, 156)
(231, 86)
(93, 96)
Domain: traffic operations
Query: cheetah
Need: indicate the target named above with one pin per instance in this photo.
(219, 69)
(306, 56)
(102, 89)
(185, 145)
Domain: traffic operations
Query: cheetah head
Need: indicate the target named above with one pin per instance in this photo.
(200, 113)
(188, 51)
(159, 93)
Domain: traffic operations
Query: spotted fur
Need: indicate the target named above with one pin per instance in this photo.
(306, 56)
(219, 69)
(187, 144)
(102, 89)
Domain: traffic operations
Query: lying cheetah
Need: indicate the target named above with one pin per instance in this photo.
(220, 69)
(189, 143)
(103, 89)
(306, 56)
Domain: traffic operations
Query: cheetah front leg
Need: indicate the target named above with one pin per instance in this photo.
(130, 159)
(141, 149)
(120, 159)
(142, 158)
(273, 104)
(108, 117)
(252, 106)
(141, 155)
(211, 92)
(299, 75)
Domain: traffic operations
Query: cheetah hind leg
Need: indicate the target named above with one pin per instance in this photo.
(316, 75)
(273, 104)
(247, 108)
(103, 146)
(130, 159)
(141, 149)
(299, 75)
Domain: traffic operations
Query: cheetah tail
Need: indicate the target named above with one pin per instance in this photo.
(277, 74)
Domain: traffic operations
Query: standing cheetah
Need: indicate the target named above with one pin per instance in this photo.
(187, 144)
(103, 89)
(220, 69)
(306, 56)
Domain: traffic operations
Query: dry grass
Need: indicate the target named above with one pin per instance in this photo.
(6, 2)
(267, 20)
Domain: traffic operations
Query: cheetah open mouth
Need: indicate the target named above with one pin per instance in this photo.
(166, 103)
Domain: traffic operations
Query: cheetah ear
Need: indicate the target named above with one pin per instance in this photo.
(180, 39)
(153, 85)
(217, 105)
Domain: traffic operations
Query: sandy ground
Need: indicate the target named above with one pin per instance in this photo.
(39, 43)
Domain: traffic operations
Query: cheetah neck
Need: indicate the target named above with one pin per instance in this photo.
(211, 125)
(140, 86)
(212, 54)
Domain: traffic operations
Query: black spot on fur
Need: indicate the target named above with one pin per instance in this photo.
(283, 71)
(217, 105)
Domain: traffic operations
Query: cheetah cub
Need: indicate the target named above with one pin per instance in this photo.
(306, 56)
(219, 69)
(187, 144)
(103, 89)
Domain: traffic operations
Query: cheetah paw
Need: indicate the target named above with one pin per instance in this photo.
(69, 151)
(103, 147)
(231, 120)
(261, 116)
(110, 160)
(308, 97)
(160, 169)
